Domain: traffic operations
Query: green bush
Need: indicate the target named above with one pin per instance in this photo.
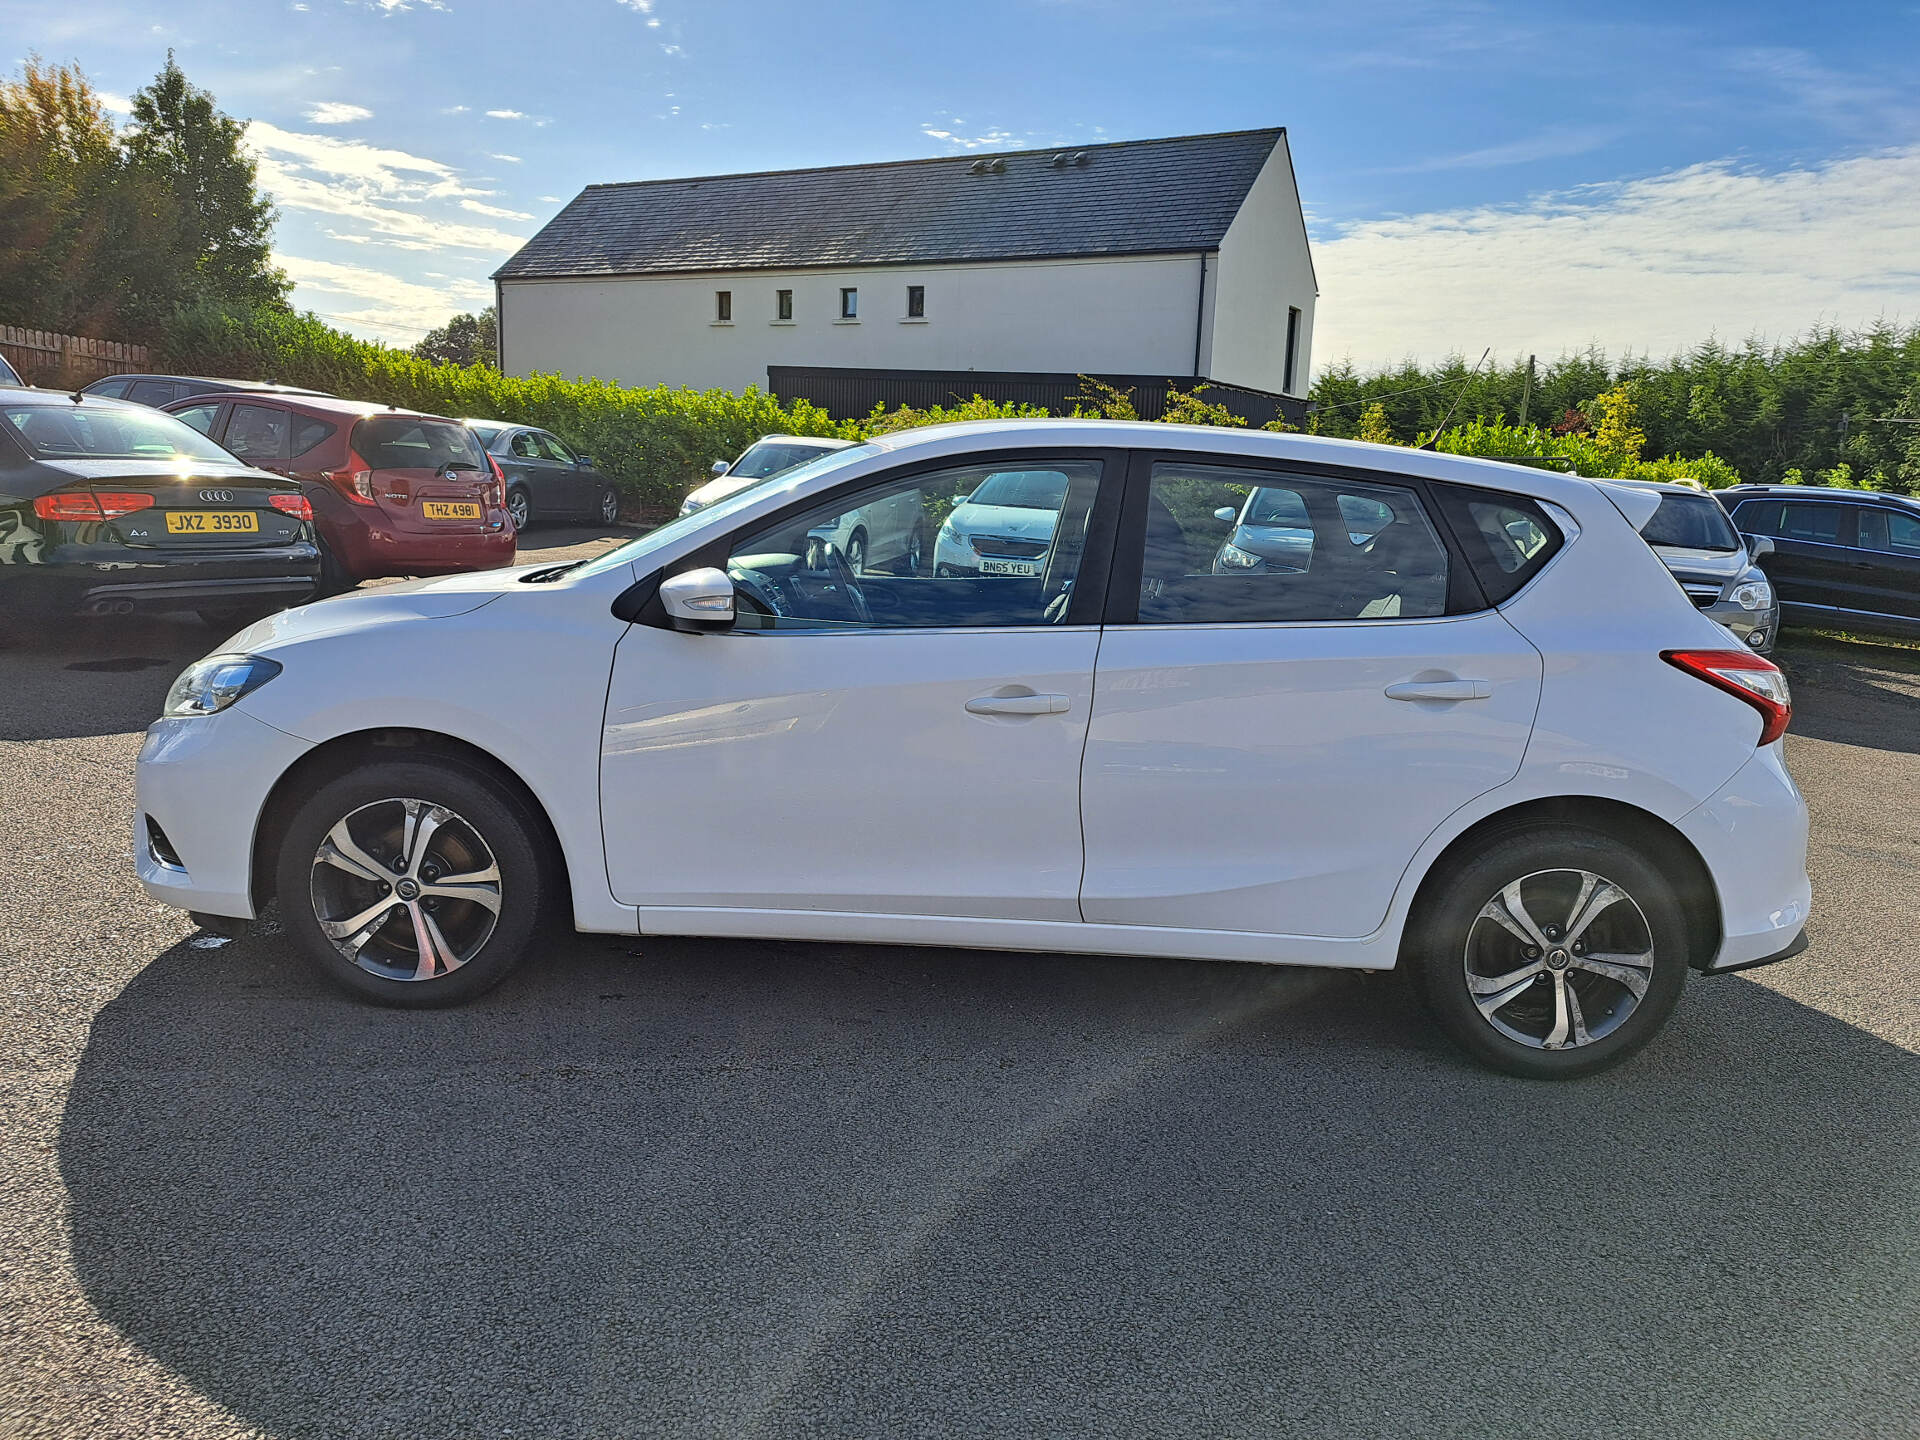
(655, 442)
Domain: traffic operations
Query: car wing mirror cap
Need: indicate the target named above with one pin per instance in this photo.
(719, 467)
(698, 601)
(1758, 546)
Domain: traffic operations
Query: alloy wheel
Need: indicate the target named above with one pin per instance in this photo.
(520, 508)
(916, 547)
(406, 889)
(1559, 959)
(609, 507)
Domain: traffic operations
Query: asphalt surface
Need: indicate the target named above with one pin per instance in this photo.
(683, 1188)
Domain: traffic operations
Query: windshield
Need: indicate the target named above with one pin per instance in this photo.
(1022, 490)
(1691, 522)
(408, 442)
(636, 551)
(770, 458)
(107, 432)
(1279, 507)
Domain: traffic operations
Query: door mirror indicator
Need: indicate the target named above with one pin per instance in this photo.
(698, 601)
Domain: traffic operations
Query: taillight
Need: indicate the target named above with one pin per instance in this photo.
(497, 491)
(1745, 676)
(353, 479)
(90, 505)
(294, 505)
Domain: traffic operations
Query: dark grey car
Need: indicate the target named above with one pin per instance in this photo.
(546, 478)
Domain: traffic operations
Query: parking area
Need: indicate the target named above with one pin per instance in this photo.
(730, 1189)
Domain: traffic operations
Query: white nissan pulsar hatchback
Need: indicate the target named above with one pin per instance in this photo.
(1464, 722)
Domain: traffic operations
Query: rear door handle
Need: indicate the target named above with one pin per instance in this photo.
(1440, 690)
(1019, 705)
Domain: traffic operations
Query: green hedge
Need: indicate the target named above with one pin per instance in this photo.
(656, 443)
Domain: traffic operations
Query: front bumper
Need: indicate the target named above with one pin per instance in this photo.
(205, 779)
(1756, 629)
(1752, 833)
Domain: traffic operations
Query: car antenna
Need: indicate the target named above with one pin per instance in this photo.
(1433, 441)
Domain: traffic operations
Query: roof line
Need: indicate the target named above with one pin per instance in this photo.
(1274, 130)
(916, 263)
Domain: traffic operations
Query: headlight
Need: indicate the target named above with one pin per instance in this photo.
(1752, 595)
(209, 686)
(1233, 557)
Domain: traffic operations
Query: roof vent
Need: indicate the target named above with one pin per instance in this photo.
(978, 167)
(1080, 157)
(1060, 159)
(998, 167)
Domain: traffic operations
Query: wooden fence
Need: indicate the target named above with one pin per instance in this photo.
(45, 358)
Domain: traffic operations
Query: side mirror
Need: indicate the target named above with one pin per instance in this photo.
(698, 601)
(585, 462)
(1226, 513)
(1758, 546)
(719, 467)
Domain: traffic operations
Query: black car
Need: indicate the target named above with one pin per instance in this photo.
(546, 480)
(159, 390)
(1848, 559)
(108, 507)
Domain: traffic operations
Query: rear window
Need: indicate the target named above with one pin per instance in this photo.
(86, 432)
(1691, 522)
(1507, 538)
(406, 442)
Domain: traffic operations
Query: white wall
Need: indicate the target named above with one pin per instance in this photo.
(1264, 267)
(1109, 316)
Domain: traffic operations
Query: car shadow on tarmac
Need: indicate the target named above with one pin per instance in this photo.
(701, 1188)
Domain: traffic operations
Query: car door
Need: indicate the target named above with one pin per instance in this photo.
(578, 489)
(1812, 565)
(1274, 735)
(1889, 558)
(525, 465)
(891, 744)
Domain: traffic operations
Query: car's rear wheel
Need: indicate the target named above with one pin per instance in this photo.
(916, 550)
(520, 507)
(857, 552)
(334, 579)
(1551, 953)
(412, 883)
(609, 506)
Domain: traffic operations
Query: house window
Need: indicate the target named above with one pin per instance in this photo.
(1293, 350)
(916, 302)
(849, 304)
(723, 307)
(783, 304)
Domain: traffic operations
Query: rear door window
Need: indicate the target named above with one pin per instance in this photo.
(258, 432)
(1889, 532)
(111, 389)
(407, 442)
(1224, 545)
(155, 392)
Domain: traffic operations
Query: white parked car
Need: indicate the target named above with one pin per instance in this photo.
(1004, 527)
(767, 457)
(1485, 737)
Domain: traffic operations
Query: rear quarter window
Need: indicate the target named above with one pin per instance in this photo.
(1508, 539)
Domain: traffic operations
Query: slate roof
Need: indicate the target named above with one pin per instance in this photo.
(1140, 197)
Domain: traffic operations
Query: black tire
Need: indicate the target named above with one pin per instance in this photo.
(334, 579)
(1548, 863)
(857, 552)
(609, 512)
(916, 556)
(482, 809)
(520, 507)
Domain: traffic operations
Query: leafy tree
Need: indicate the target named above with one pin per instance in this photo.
(463, 340)
(1374, 428)
(218, 246)
(59, 162)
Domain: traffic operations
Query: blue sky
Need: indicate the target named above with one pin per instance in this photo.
(1531, 177)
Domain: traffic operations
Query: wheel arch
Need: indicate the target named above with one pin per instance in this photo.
(1630, 825)
(343, 753)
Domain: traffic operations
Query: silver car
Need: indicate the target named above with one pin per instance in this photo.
(767, 457)
(1715, 564)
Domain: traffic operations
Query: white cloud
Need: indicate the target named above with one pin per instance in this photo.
(510, 159)
(639, 7)
(454, 110)
(506, 115)
(367, 184)
(400, 7)
(549, 199)
(968, 142)
(337, 112)
(494, 210)
(388, 307)
(1554, 144)
(1653, 264)
(113, 104)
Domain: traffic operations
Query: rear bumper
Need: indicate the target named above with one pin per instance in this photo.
(370, 549)
(205, 779)
(110, 578)
(1752, 834)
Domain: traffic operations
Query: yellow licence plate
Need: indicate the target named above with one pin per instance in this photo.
(449, 510)
(212, 522)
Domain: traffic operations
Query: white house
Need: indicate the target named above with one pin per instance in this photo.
(1175, 259)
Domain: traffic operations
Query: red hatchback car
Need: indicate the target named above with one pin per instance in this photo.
(393, 492)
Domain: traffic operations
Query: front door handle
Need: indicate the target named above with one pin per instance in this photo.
(1019, 705)
(1440, 690)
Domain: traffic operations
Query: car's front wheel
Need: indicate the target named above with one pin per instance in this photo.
(609, 506)
(413, 883)
(1552, 952)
